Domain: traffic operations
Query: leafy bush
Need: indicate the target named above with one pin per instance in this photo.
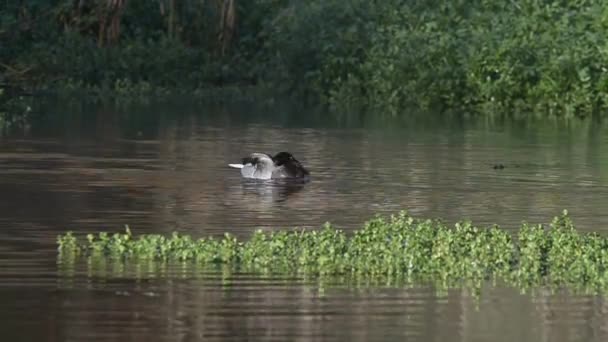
(532, 55)
(401, 248)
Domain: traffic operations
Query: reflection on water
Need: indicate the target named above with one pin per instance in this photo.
(164, 168)
(272, 192)
(185, 306)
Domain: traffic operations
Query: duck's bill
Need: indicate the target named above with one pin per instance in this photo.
(236, 166)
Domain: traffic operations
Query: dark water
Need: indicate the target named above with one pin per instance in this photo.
(161, 168)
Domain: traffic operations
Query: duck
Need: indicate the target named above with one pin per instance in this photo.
(282, 165)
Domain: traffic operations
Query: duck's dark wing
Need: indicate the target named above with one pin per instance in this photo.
(292, 169)
(295, 169)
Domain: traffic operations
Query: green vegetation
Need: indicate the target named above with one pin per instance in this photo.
(402, 249)
(485, 56)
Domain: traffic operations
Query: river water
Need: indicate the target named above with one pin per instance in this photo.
(163, 167)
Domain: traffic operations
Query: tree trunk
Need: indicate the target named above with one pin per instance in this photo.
(227, 25)
(115, 21)
(172, 19)
(109, 22)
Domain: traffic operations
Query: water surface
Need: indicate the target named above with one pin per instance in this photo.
(162, 168)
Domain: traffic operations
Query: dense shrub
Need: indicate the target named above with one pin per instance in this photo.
(532, 55)
(399, 249)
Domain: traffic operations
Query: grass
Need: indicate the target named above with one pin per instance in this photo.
(400, 249)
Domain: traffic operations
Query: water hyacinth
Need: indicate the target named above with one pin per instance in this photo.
(400, 248)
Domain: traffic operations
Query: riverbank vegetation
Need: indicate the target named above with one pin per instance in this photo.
(484, 56)
(400, 249)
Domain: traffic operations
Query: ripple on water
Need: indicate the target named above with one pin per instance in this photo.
(98, 177)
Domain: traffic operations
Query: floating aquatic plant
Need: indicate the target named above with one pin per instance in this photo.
(401, 248)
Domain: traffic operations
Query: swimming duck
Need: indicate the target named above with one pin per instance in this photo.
(264, 166)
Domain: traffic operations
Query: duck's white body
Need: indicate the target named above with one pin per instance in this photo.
(263, 166)
(257, 165)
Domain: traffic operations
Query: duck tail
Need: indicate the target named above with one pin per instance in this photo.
(236, 166)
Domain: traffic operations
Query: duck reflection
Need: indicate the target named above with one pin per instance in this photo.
(276, 191)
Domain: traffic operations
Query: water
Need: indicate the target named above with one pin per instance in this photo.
(162, 168)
